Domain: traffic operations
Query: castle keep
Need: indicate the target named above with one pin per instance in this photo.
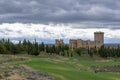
(59, 42)
(79, 43)
(98, 39)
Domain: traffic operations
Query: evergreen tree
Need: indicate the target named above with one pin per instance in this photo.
(24, 45)
(3, 49)
(78, 51)
(47, 49)
(53, 49)
(91, 52)
(102, 51)
(29, 47)
(42, 47)
(15, 49)
(71, 54)
(35, 49)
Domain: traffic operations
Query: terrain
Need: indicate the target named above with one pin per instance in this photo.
(64, 68)
(19, 72)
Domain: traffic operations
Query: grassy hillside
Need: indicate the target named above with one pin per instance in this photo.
(71, 68)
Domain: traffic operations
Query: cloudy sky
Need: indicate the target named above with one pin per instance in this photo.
(47, 20)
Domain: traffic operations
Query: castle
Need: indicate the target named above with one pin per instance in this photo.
(59, 42)
(79, 43)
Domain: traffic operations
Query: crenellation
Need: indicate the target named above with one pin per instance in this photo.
(72, 44)
(79, 43)
(98, 39)
(59, 42)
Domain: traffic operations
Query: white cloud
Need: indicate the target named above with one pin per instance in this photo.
(50, 32)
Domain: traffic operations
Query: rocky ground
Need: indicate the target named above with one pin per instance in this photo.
(115, 68)
(22, 72)
(11, 58)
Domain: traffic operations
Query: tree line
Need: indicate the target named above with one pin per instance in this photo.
(34, 48)
(31, 48)
(109, 51)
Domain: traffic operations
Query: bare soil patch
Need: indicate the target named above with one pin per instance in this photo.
(22, 72)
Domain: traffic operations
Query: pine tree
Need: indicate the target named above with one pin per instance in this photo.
(35, 49)
(42, 47)
(3, 49)
(24, 45)
(47, 49)
(29, 47)
(15, 49)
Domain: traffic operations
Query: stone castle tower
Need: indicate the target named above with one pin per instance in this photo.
(98, 39)
(59, 42)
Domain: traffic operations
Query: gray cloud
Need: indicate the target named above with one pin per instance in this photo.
(51, 19)
(63, 11)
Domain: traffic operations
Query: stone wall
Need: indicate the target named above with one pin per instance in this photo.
(59, 42)
(78, 43)
(97, 43)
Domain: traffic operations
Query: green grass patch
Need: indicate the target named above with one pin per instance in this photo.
(71, 68)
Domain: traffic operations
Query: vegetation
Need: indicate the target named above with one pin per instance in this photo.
(63, 68)
(78, 51)
(109, 52)
(34, 48)
(62, 62)
(31, 48)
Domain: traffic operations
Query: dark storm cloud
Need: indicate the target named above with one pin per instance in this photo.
(59, 11)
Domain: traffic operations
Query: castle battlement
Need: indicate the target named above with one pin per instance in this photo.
(79, 43)
(59, 42)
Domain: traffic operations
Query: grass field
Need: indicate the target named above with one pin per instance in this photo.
(71, 68)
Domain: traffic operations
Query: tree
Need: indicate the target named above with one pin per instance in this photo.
(42, 47)
(47, 49)
(71, 54)
(62, 53)
(78, 51)
(24, 45)
(91, 52)
(53, 49)
(29, 47)
(15, 49)
(2, 49)
(35, 49)
(103, 52)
